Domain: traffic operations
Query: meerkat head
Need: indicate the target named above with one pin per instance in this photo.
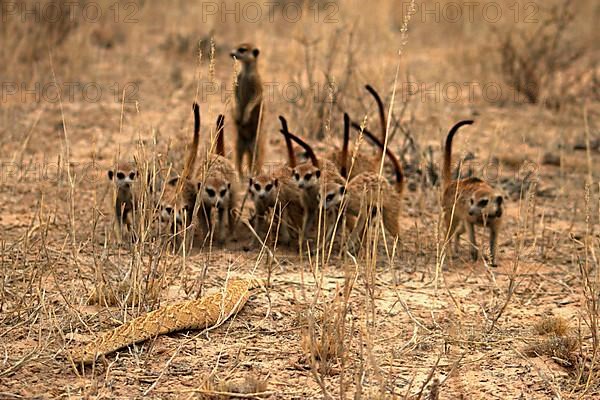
(306, 175)
(246, 53)
(332, 196)
(486, 205)
(262, 187)
(123, 175)
(176, 204)
(215, 192)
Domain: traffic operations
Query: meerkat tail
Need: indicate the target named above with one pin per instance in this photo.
(221, 135)
(206, 312)
(344, 169)
(190, 160)
(304, 145)
(288, 142)
(399, 172)
(447, 167)
(381, 109)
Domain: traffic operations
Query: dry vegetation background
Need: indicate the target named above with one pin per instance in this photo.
(395, 324)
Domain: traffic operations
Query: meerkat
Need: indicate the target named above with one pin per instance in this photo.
(276, 191)
(217, 187)
(124, 176)
(366, 194)
(178, 197)
(468, 202)
(309, 177)
(247, 110)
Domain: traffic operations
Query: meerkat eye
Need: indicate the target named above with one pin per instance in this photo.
(223, 192)
(499, 200)
(210, 192)
(120, 175)
(483, 203)
(297, 176)
(472, 201)
(242, 50)
(329, 198)
(307, 177)
(169, 210)
(132, 175)
(257, 187)
(269, 187)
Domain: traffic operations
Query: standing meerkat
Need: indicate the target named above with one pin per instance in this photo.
(247, 110)
(468, 202)
(124, 176)
(366, 194)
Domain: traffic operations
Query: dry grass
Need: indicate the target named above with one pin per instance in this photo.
(401, 321)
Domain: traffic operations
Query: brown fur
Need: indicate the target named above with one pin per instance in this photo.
(365, 193)
(178, 196)
(277, 191)
(248, 96)
(124, 176)
(469, 202)
(310, 178)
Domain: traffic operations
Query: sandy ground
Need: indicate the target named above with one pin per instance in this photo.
(466, 324)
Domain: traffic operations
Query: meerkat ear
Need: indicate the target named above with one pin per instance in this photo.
(111, 174)
(250, 182)
(499, 200)
(342, 190)
(228, 185)
(276, 182)
(318, 173)
(256, 52)
(199, 185)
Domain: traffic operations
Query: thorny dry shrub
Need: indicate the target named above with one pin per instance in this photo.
(556, 341)
(215, 389)
(554, 325)
(534, 56)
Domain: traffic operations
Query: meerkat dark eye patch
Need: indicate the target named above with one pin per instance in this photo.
(169, 210)
(132, 175)
(268, 187)
(307, 177)
(297, 176)
(483, 203)
(256, 52)
(120, 175)
(499, 200)
(223, 192)
(329, 197)
(257, 187)
(242, 50)
(318, 174)
(210, 192)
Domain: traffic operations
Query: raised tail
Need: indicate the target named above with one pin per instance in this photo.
(381, 109)
(344, 161)
(398, 171)
(190, 160)
(447, 167)
(221, 135)
(304, 145)
(288, 142)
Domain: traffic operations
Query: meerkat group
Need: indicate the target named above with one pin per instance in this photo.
(292, 197)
